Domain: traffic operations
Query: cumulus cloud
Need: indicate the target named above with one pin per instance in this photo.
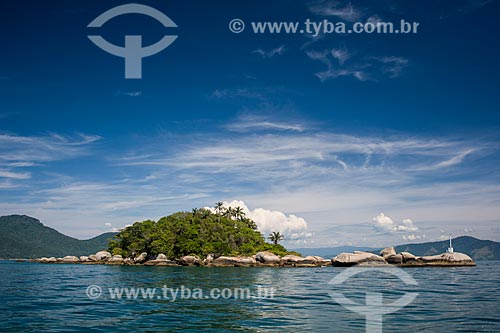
(412, 237)
(292, 226)
(385, 224)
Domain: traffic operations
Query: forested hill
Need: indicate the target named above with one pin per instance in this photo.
(22, 236)
(477, 249)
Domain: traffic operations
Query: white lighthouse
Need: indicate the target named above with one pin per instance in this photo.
(450, 249)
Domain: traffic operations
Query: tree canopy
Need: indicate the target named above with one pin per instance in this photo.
(200, 232)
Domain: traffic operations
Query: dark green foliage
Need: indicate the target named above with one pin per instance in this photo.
(25, 237)
(199, 232)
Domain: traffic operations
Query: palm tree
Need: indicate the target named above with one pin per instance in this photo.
(218, 207)
(229, 213)
(239, 213)
(276, 237)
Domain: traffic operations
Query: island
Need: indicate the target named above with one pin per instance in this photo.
(223, 237)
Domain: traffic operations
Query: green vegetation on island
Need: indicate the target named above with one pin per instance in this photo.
(200, 232)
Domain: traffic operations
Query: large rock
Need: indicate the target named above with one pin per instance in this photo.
(352, 259)
(161, 256)
(141, 258)
(395, 259)
(161, 262)
(448, 259)
(208, 259)
(72, 259)
(190, 261)
(290, 259)
(46, 260)
(408, 256)
(225, 261)
(84, 258)
(116, 259)
(387, 252)
(128, 261)
(322, 261)
(102, 256)
(246, 261)
(297, 261)
(266, 257)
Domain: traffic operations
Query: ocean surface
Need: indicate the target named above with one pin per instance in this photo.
(55, 298)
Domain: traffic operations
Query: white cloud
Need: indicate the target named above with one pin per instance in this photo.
(335, 73)
(385, 224)
(107, 224)
(271, 53)
(457, 159)
(14, 175)
(246, 93)
(413, 237)
(30, 149)
(392, 65)
(374, 19)
(342, 10)
(320, 56)
(292, 226)
(252, 123)
(20, 152)
(341, 55)
(129, 93)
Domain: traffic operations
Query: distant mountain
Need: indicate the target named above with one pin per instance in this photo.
(330, 252)
(477, 249)
(22, 236)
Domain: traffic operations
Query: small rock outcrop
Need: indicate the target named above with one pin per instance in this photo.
(70, 259)
(395, 259)
(407, 256)
(118, 259)
(448, 259)
(141, 258)
(352, 259)
(387, 252)
(102, 256)
(208, 259)
(225, 261)
(190, 261)
(297, 261)
(268, 258)
(161, 256)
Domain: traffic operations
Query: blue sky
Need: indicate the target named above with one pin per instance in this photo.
(332, 131)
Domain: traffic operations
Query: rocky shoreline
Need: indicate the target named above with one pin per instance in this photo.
(387, 257)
